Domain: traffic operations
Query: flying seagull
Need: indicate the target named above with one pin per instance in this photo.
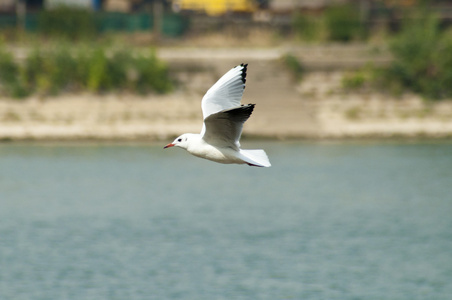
(224, 117)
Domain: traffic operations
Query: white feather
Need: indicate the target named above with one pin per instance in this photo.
(225, 93)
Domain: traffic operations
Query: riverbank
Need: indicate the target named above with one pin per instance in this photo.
(317, 107)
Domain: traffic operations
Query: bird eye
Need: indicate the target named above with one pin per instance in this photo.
(179, 140)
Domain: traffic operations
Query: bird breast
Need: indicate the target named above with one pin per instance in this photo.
(207, 151)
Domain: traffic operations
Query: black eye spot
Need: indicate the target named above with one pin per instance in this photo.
(179, 140)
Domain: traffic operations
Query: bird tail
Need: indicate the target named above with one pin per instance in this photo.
(256, 158)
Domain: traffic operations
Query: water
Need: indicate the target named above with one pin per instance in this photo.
(327, 221)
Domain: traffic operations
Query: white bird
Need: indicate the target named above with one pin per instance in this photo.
(223, 122)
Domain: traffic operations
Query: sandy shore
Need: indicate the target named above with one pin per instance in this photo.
(88, 116)
(317, 107)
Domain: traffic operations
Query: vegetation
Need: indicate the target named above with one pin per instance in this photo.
(308, 28)
(294, 66)
(67, 22)
(354, 80)
(343, 23)
(72, 23)
(421, 51)
(51, 71)
(9, 75)
(422, 60)
(340, 23)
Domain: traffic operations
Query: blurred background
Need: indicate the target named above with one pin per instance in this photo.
(353, 107)
(334, 68)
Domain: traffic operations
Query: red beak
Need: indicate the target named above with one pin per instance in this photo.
(169, 145)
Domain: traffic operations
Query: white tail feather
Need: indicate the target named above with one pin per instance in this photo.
(255, 157)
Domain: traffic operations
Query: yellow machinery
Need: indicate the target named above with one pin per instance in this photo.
(215, 7)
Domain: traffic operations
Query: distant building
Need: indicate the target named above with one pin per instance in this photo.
(117, 5)
(91, 4)
(290, 5)
(127, 6)
(215, 7)
(7, 5)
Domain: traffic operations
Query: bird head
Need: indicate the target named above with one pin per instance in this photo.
(181, 141)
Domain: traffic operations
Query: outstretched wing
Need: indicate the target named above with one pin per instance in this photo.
(226, 93)
(224, 128)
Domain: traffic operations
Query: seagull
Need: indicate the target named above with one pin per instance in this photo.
(224, 116)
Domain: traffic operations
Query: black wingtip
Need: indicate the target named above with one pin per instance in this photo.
(252, 106)
(244, 69)
(249, 108)
(240, 113)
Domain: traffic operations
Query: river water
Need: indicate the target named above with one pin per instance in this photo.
(326, 221)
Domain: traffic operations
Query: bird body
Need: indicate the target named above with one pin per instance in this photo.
(201, 148)
(224, 117)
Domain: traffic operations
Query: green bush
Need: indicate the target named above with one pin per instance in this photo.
(422, 61)
(10, 79)
(52, 71)
(98, 77)
(308, 28)
(67, 22)
(354, 80)
(152, 74)
(422, 57)
(294, 66)
(343, 23)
